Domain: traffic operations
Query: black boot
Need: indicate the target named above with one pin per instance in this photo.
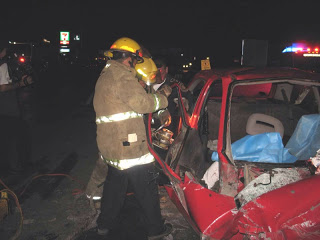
(95, 234)
(166, 231)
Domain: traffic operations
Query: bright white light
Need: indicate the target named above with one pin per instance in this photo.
(190, 64)
(181, 54)
(208, 58)
(311, 55)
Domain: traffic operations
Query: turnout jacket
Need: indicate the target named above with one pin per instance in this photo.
(120, 102)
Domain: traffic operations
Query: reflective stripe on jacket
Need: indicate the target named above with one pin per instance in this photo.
(128, 163)
(118, 117)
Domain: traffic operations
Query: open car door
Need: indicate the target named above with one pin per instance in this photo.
(181, 165)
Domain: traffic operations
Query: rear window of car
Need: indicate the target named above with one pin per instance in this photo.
(252, 91)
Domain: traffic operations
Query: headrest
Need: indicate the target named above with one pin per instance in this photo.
(260, 123)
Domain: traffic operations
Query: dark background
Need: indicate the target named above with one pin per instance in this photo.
(207, 27)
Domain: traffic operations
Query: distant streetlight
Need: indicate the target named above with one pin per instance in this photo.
(17, 42)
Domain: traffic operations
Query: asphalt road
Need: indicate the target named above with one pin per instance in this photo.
(64, 151)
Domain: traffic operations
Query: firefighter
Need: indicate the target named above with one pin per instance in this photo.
(167, 80)
(120, 102)
(148, 76)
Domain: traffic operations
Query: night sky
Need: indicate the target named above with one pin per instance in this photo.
(205, 26)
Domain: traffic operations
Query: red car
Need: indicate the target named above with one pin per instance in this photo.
(245, 164)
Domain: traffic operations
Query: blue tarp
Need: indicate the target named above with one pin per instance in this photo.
(305, 141)
(265, 147)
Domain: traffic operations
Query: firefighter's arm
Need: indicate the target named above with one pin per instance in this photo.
(141, 102)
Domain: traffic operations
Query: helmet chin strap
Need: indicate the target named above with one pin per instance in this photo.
(131, 62)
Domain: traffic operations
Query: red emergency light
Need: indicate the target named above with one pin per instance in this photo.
(301, 50)
(22, 59)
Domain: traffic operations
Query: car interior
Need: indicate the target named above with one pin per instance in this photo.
(274, 113)
(258, 115)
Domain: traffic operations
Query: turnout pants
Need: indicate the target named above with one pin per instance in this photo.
(141, 180)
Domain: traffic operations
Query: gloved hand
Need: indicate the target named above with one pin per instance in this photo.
(95, 185)
(164, 117)
(165, 90)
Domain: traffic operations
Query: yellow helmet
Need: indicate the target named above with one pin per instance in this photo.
(125, 44)
(147, 70)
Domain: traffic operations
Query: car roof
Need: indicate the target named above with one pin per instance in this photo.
(267, 73)
(247, 73)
